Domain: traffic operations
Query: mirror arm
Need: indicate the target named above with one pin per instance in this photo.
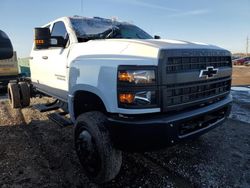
(157, 37)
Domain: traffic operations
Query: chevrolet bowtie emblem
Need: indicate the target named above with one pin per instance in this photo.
(209, 72)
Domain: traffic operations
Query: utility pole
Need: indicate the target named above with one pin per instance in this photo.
(81, 7)
(247, 46)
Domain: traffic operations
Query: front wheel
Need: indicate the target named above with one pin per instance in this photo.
(100, 160)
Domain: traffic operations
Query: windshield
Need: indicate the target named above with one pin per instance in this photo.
(95, 28)
(130, 32)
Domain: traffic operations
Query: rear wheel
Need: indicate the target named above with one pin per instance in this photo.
(14, 95)
(100, 160)
(24, 94)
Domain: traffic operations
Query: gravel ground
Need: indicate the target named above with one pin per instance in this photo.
(35, 152)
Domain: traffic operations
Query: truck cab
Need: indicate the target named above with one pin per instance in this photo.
(126, 90)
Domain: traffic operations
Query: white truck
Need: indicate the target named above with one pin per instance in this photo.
(124, 89)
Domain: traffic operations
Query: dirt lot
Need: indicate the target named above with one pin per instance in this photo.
(241, 75)
(35, 152)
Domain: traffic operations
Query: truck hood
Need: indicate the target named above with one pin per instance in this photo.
(178, 44)
(151, 47)
(148, 48)
(170, 44)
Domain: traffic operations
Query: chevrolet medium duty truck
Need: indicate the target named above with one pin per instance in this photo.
(123, 89)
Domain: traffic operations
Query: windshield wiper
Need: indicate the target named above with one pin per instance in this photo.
(112, 32)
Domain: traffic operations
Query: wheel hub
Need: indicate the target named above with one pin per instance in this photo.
(87, 152)
(86, 141)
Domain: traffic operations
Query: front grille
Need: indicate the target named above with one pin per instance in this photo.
(182, 87)
(188, 94)
(180, 64)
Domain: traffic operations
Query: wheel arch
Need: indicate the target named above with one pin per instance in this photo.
(84, 98)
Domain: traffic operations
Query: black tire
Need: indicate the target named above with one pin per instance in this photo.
(24, 94)
(100, 160)
(14, 95)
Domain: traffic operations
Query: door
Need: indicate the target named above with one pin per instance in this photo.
(51, 66)
(57, 60)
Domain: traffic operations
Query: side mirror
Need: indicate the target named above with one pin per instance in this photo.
(42, 38)
(157, 37)
(6, 49)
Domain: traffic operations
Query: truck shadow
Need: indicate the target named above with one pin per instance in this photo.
(3, 91)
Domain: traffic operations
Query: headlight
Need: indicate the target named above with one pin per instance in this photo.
(137, 76)
(137, 87)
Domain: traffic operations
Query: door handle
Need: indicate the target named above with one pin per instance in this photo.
(45, 57)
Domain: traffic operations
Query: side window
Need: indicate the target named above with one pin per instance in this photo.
(59, 30)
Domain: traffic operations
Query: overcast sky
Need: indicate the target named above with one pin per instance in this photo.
(225, 23)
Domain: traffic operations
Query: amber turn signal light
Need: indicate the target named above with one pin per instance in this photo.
(126, 98)
(39, 41)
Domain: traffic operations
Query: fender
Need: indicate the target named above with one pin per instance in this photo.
(83, 87)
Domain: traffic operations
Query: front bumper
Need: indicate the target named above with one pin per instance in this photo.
(165, 130)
